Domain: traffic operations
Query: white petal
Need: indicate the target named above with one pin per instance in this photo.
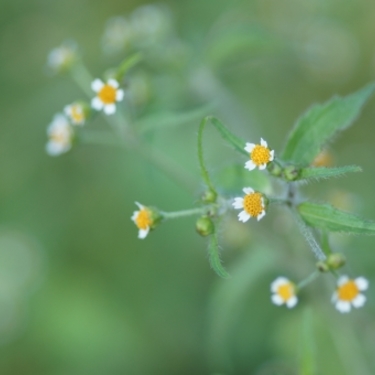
(109, 109)
(249, 147)
(250, 165)
(335, 297)
(272, 155)
(359, 301)
(97, 104)
(342, 280)
(67, 110)
(243, 216)
(362, 283)
(278, 282)
(277, 300)
(263, 142)
(97, 85)
(119, 95)
(248, 190)
(135, 215)
(262, 167)
(292, 301)
(343, 306)
(142, 233)
(261, 215)
(112, 82)
(238, 203)
(139, 205)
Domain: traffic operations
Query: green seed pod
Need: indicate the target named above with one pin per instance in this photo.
(205, 226)
(335, 261)
(291, 173)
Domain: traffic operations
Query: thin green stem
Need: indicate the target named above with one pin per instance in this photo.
(325, 243)
(204, 172)
(82, 77)
(184, 213)
(308, 280)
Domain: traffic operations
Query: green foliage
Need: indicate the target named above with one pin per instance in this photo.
(324, 173)
(326, 217)
(320, 123)
(214, 257)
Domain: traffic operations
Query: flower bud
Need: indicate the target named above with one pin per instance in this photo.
(291, 173)
(335, 261)
(209, 196)
(274, 169)
(205, 226)
(322, 266)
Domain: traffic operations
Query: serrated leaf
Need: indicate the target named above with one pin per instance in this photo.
(324, 216)
(214, 258)
(317, 126)
(172, 119)
(323, 172)
(236, 142)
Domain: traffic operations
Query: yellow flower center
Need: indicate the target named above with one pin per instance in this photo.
(107, 94)
(77, 113)
(286, 291)
(252, 204)
(143, 220)
(348, 291)
(59, 137)
(260, 155)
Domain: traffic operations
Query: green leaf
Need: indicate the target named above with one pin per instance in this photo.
(214, 257)
(236, 142)
(323, 172)
(326, 217)
(317, 126)
(307, 344)
(172, 119)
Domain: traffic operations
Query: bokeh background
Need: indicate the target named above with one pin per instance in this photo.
(79, 293)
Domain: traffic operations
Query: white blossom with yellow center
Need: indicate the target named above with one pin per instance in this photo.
(62, 57)
(107, 95)
(348, 293)
(142, 219)
(252, 205)
(75, 113)
(260, 155)
(284, 292)
(60, 134)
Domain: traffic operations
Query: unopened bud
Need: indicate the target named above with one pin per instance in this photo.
(291, 173)
(336, 261)
(205, 226)
(274, 169)
(322, 266)
(209, 196)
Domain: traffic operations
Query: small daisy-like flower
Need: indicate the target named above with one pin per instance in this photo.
(284, 292)
(62, 58)
(260, 155)
(348, 293)
(107, 95)
(143, 220)
(60, 135)
(252, 205)
(76, 113)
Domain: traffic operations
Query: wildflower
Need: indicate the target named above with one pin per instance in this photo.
(60, 135)
(63, 57)
(252, 205)
(76, 113)
(118, 35)
(260, 155)
(107, 95)
(284, 292)
(145, 219)
(348, 293)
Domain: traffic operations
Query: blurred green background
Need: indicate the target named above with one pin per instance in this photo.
(79, 293)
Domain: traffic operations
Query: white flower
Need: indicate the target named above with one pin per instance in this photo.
(260, 155)
(348, 293)
(284, 292)
(143, 220)
(76, 113)
(62, 57)
(60, 135)
(252, 205)
(107, 95)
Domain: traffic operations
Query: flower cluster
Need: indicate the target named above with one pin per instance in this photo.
(347, 294)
